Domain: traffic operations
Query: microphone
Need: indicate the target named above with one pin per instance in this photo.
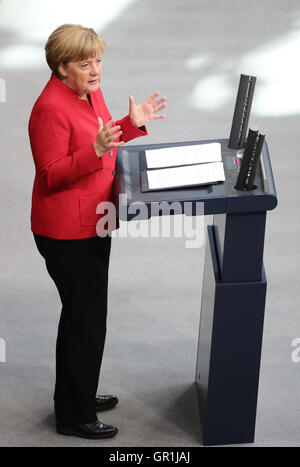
(242, 112)
(248, 168)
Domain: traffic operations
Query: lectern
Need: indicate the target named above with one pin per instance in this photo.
(234, 285)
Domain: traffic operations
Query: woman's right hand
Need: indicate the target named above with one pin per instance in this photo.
(106, 136)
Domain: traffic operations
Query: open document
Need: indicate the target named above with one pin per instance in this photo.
(197, 174)
(183, 155)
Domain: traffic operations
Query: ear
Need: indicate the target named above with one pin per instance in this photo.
(62, 69)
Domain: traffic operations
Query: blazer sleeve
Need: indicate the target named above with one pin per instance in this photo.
(50, 133)
(130, 131)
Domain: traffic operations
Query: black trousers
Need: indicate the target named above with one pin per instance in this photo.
(79, 269)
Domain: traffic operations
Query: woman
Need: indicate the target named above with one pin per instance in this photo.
(74, 143)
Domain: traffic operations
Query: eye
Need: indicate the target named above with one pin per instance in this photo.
(84, 65)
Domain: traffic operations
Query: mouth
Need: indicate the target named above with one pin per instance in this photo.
(94, 81)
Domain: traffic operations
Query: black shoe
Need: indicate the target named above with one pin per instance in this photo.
(96, 430)
(105, 402)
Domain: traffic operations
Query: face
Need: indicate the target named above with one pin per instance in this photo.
(83, 76)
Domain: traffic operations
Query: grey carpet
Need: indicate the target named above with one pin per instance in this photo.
(155, 284)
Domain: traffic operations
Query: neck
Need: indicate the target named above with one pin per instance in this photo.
(80, 96)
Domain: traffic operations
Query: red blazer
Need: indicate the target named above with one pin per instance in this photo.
(70, 179)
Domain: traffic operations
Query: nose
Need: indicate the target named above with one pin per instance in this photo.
(95, 68)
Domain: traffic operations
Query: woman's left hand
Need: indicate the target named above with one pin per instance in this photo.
(147, 111)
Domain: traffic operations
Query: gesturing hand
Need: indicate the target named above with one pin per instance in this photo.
(143, 113)
(106, 136)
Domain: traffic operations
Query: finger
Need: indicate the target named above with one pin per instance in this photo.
(131, 102)
(109, 124)
(112, 130)
(151, 98)
(159, 116)
(109, 128)
(156, 103)
(100, 124)
(160, 108)
(113, 137)
(117, 145)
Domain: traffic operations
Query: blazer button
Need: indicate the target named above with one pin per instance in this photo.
(111, 153)
(113, 172)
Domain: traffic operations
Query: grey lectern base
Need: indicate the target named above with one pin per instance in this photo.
(234, 285)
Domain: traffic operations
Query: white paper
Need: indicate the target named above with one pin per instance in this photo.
(187, 175)
(183, 155)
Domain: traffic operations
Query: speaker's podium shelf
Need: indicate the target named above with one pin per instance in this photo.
(234, 284)
(217, 199)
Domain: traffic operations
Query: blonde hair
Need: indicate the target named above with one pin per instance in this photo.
(72, 42)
